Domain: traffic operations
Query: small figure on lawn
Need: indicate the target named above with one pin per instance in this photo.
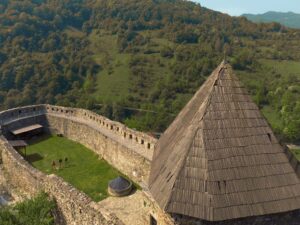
(66, 161)
(53, 165)
(60, 162)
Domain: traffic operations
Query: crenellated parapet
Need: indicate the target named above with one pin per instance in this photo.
(14, 114)
(138, 138)
(126, 149)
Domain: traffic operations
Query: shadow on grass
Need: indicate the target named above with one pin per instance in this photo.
(34, 157)
(67, 166)
(38, 139)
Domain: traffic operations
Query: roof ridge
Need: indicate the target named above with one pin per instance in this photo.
(184, 181)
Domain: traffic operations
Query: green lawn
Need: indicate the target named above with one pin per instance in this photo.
(83, 169)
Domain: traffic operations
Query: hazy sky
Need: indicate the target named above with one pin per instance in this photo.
(238, 7)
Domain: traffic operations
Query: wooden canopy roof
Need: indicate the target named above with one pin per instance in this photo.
(26, 129)
(18, 143)
(220, 160)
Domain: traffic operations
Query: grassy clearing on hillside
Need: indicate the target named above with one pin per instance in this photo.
(277, 76)
(283, 67)
(83, 169)
(273, 117)
(113, 84)
(113, 80)
(296, 153)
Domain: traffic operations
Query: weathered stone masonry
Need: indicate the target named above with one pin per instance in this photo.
(74, 206)
(127, 150)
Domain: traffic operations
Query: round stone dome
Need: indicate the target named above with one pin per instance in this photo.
(119, 187)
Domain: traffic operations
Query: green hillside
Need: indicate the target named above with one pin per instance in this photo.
(110, 55)
(288, 19)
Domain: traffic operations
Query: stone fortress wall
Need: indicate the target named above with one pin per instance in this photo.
(126, 149)
(74, 207)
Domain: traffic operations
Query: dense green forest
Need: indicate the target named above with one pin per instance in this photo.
(35, 211)
(111, 55)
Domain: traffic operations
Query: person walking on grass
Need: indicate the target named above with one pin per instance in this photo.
(53, 165)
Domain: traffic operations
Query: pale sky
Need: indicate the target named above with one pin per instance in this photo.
(238, 7)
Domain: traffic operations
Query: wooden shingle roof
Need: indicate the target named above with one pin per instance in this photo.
(220, 160)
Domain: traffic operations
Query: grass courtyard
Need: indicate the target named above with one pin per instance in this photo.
(83, 169)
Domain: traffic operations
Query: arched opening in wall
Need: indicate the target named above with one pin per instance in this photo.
(52, 109)
(148, 145)
(130, 136)
(136, 139)
(118, 128)
(111, 127)
(153, 221)
(142, 141)
(20, 111)
(124, 134)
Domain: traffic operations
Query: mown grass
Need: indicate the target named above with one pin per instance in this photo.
(83, 169)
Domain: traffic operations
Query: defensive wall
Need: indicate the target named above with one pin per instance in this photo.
(74, 207)
(127, 150)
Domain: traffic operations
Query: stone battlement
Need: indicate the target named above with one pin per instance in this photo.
(145, 141)
(127, 150)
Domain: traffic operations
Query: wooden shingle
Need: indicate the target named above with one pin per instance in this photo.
(220, 160)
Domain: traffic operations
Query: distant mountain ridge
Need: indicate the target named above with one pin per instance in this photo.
(289, 19)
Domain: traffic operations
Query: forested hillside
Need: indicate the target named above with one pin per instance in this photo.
(288, 19)
(111, 55)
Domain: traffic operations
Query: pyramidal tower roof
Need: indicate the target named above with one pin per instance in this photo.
(220, 160)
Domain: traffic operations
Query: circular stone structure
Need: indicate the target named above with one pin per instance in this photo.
(119, 187)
